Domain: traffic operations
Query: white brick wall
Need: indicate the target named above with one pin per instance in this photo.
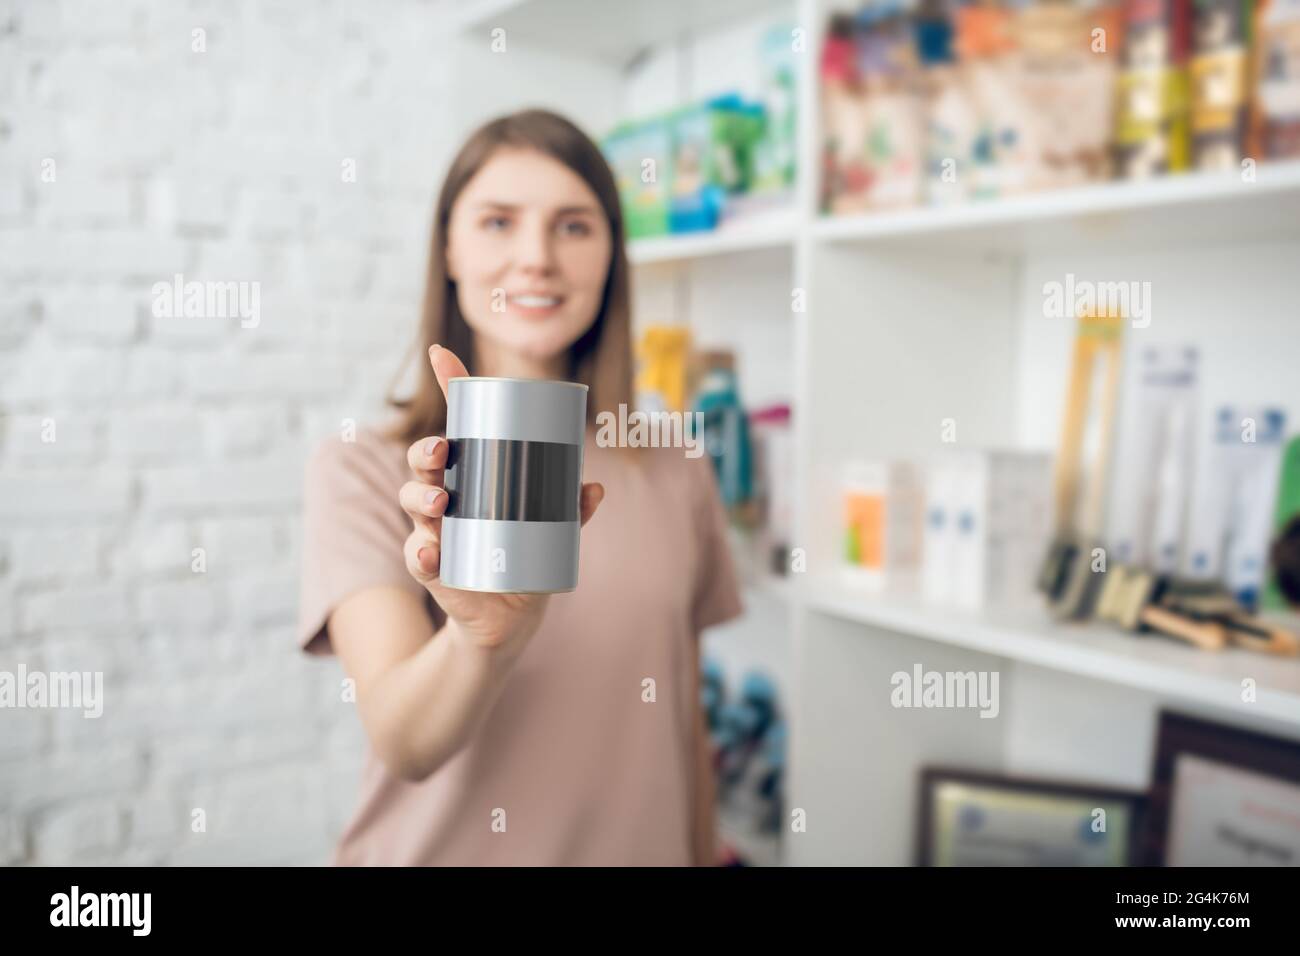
(176, 434)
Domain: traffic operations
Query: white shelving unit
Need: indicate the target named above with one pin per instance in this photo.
(774, 231)
(912, 317)
(1098, 652)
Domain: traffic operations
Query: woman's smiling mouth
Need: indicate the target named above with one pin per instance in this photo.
(535, 305)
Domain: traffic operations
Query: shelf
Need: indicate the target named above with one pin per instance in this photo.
(1191, 208)
(612, 30)
(1146, 662)
(772, 586)
(770, 231)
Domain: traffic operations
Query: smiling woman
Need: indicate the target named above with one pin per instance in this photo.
(522, 728)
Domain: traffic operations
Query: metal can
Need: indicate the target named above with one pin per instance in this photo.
(514, 485)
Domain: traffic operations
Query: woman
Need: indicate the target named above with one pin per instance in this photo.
(522, 729)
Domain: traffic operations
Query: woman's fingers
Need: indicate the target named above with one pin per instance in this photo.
(425, 504)
(446, 366)
(593, 493)
(422, 556)
(427, 458)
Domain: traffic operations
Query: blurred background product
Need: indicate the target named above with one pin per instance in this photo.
(986, 515)
(749, 738)
(1069, 576)
(1236, 500)
(882, 525)
(1220, 78)
(1284, 580)
(691, 168)
(663, 369)
(726, 428)
(772, 452)
(1150, 484)
(641, 156)
(990, 98)
(1276, 77)
(1154, 127)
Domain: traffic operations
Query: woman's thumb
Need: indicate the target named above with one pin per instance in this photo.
(446, 366)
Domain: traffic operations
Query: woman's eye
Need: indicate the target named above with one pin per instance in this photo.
(496, 223)
(575, 227)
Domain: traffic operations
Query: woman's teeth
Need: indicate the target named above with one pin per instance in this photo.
(536, 301)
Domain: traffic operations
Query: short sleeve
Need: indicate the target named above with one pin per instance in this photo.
(717, 593)
(354, 530)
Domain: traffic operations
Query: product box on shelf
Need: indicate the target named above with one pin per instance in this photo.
(640, 155)
(1236, 492)
(777, 148)
(882, 525)
(987, 522)
(1153, 132)
(713, 145)
(949, 111)
(1220, 42)
(872, 111)
(1151, 474)
(1277, 80)
(1005, 151)
(1067, 74)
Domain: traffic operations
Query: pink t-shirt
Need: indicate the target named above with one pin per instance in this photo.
(585, 770)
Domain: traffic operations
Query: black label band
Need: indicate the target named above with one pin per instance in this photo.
(505, 480)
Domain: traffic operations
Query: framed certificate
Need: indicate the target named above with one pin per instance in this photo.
(975, 819)
(1221, 796)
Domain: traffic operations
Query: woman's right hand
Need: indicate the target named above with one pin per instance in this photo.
(485, 620)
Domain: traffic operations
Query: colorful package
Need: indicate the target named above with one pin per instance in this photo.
(893, 150)
(642, 186)
(843, 171)
(1220, 38)
(712, 158)
(949, 110)
(882, 526)
(663, 362)
(726, 428)
(1067, 76)
(1004, 151)
(1277, 80)
(776, 149)
(1153, 132)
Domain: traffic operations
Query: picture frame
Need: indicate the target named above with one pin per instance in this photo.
(1221, 796)
(974, 818)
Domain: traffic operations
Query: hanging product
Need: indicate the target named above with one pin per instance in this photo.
(1153, 459)
(1067, 576)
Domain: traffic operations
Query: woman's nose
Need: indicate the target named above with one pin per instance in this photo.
(534, 250)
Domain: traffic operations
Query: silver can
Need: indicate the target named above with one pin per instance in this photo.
(514, 485)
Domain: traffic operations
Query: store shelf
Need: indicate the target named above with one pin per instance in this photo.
(1146, 662)
(775, 231)
(774, 587)
(612, 30)
(1190, 208)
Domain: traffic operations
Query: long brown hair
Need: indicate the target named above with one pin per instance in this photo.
(601, 358)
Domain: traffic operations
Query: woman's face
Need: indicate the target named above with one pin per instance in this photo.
(528, 247)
